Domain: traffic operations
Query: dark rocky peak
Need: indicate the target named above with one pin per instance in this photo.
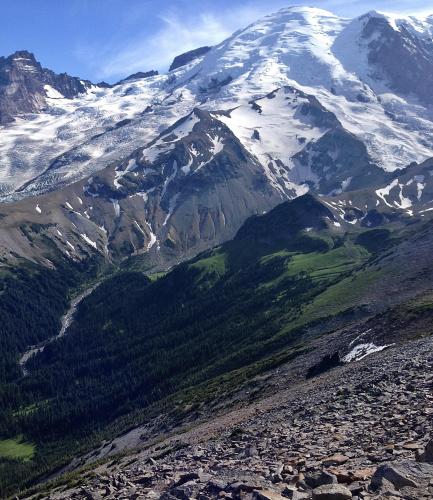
(25, 85)
(187, 57)
(104, 85)
(23, 59)
(138, 76)
(284, 223)
(19, 65)
(185, 126)
(192, 145)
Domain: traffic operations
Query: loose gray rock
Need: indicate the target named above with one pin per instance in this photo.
(319, 478)
(428, 453)
(398, 475)
(332, 492)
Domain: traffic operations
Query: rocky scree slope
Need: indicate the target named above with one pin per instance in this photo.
(362, 430)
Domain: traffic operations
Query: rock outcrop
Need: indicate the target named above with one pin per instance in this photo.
(25, 85)
(187, 57)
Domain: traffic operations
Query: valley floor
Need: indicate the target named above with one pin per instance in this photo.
(358, 430)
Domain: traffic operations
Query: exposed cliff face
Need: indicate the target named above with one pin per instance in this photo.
(187, 57)
(138, 75)
(25, 85)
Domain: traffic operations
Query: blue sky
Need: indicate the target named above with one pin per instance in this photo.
(109, 39)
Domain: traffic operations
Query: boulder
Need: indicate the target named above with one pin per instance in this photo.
(332, 492)
(267, 495)
(319, 478)
(428, 453)
(185, 478)
(404, 476)
(294, 494)
(336, 459)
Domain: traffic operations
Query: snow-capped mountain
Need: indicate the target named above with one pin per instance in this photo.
(347, 65)
(299, 100)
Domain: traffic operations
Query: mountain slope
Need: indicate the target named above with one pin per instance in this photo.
(287, 277)
(286, 436)
(124, 174)
(275, 188)
(189, 190)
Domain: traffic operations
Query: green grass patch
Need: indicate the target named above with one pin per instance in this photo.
(319, 265)
(16, 449)
(342, 295)
(156, 276)
(346, 256)
(216, 264)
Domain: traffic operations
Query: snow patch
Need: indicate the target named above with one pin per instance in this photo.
(386, 190)
(88, 240)
(116, 207)
(52, 93)
(171, 208)
(363, 350)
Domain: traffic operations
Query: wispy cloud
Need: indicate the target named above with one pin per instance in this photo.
(176, 34)
(157, 50)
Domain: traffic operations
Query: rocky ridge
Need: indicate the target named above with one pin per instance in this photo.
(187, 57)
(26, 85)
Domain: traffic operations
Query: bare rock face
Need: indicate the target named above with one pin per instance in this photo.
(187, 57)
(25, 85)
(196, 183)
